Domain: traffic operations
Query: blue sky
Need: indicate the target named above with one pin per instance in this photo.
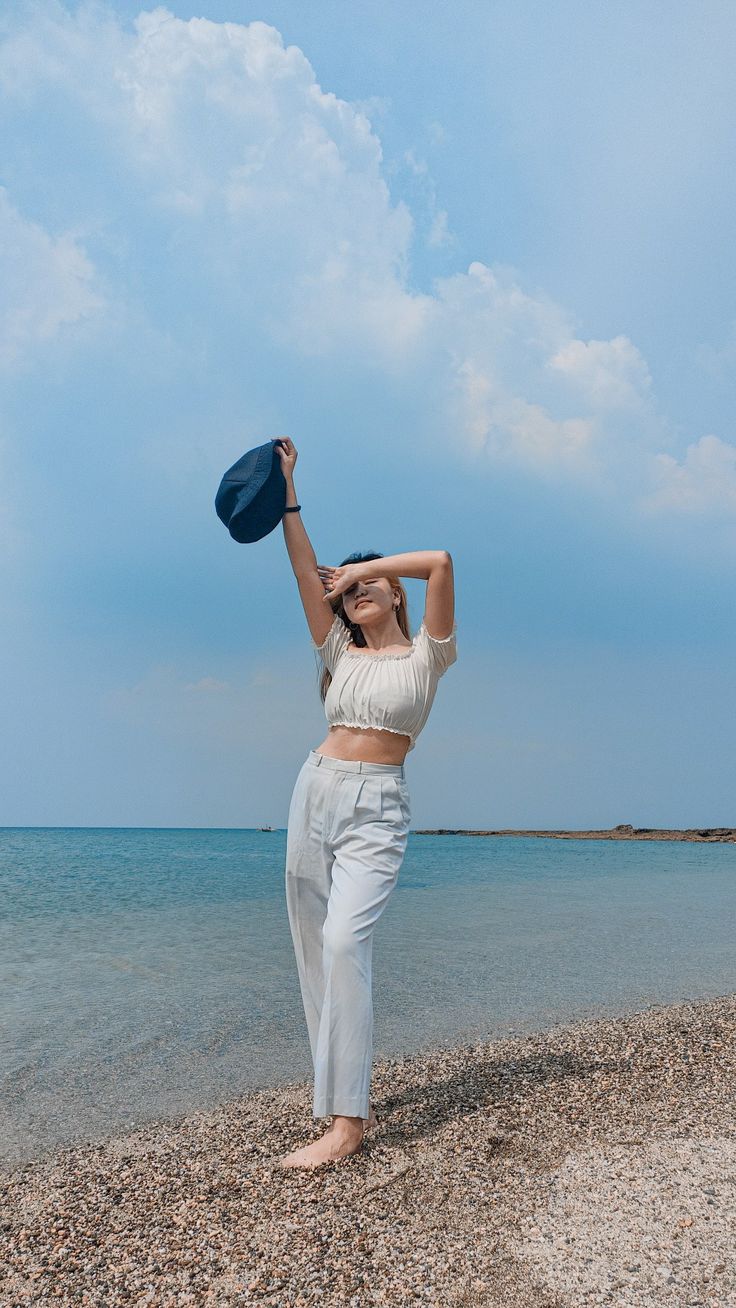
(478, 264)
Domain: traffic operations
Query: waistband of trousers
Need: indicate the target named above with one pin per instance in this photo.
(353, 764)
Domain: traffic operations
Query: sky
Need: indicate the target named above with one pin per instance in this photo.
(477, 261)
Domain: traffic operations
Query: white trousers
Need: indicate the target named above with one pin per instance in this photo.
(347, 831)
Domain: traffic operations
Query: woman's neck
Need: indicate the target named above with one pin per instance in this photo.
(381, 637)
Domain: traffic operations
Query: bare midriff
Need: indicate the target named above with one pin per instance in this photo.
(365, 745)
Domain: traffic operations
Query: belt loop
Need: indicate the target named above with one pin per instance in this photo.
(318, 759)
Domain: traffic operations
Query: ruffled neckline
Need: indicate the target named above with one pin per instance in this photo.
(375, 658)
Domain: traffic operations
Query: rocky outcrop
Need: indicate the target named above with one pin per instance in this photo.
(624, 831)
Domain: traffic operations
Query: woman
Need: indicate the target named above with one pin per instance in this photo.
(349, 813)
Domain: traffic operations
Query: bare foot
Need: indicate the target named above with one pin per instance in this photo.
(370, 1122)
(343, 1137)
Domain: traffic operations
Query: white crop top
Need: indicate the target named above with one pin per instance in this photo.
(393, 692)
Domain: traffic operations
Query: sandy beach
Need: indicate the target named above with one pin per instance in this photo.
(593, 1163)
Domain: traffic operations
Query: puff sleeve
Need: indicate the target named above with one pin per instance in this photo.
(335, 642)
(438, 654)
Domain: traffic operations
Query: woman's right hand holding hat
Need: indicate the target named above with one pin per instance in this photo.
(288, 455)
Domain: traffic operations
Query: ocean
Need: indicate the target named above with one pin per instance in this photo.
(145, 973)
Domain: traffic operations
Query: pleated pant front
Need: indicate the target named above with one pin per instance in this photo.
(347, 831)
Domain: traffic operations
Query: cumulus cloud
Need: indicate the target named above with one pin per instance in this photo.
(281, 180)
(270, 183)
(611, 374)
(515, 402)
(703, 482)
(269, 194)
(48, 284)
(515, 431)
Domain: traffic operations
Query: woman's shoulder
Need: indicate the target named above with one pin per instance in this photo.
(440, 652)
(334, 643)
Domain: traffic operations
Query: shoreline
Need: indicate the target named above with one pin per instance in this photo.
(588, 1163)
(624, 831)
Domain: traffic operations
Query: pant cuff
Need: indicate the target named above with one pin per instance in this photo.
(341, 1107)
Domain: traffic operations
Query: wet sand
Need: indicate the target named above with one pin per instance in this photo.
(592, 1163)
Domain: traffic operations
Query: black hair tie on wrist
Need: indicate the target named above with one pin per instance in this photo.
(293, 509)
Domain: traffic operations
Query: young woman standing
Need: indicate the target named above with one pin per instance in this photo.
(350, 809)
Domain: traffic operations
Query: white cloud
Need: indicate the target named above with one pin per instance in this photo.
(166, 702)
(205, 686)
(611, 374)
(272, 203)
(511, 430)
(48, 284)
(283, 180)
(487, 311)
(45, 45)
(438, 134)
(439, 233)
(704, 482)
(718, 360)
(504, 395)
(272, 186)
(215, 713)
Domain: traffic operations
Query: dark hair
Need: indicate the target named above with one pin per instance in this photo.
(356, 633)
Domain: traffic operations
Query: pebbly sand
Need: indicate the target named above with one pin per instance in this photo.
(593, 1163)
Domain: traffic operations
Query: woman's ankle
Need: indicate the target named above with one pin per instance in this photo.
(348, 1125)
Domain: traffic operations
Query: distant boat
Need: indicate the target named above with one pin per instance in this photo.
(266, 828)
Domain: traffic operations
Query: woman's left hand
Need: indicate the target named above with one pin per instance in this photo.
(338, 580)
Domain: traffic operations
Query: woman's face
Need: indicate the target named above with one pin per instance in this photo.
(369, 601)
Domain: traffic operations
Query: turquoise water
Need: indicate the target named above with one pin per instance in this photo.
(144, 973)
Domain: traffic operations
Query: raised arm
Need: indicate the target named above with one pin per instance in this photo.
(301, 554)
(433, 566)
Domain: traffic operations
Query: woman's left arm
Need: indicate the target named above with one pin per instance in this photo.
(432, 566)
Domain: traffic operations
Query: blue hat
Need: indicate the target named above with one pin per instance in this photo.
(252, 494)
